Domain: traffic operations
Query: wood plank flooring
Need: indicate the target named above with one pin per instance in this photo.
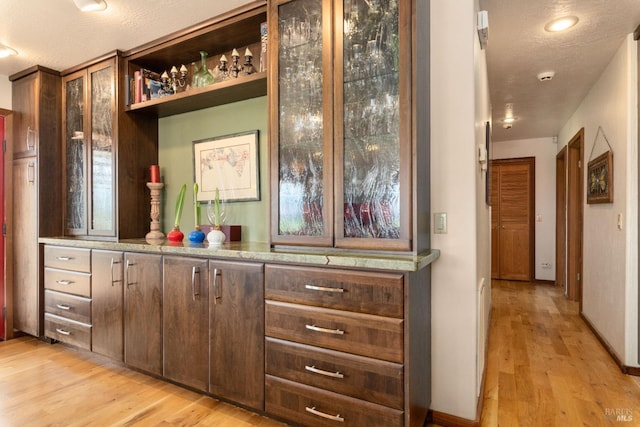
(546, 368)
(54, 385)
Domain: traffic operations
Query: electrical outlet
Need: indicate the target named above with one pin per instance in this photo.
(545, 265)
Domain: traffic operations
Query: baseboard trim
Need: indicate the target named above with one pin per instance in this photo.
(545, 282)
(447, 420)
(627, 370)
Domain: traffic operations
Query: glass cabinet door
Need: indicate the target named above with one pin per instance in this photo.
(102, 159)
(372, 141)
(75, 155)
(302, 110)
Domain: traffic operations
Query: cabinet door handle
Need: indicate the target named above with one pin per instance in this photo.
(31, 138)
(113, 280)
(325, 330)
(194, 270)
(62, 331)
(129, 264)
(323, 372)
(64, 282)
(323, 288)
(63, 307)
(31, 172)
(314, 411)
(64, 258)
(217, 294)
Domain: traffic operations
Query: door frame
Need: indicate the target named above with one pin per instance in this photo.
(561, 219)
(6, 282)
(575, 189)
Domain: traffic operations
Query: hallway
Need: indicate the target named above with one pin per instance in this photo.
(546, 368)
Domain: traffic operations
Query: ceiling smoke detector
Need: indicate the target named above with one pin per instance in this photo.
(546, 76)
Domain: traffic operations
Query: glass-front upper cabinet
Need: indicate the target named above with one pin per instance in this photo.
(341, 153)
(89, 105)
(301, 105)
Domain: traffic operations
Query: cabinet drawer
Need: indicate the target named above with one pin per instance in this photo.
(69, 306)
(364, 378)
(372, 293)
(67, 281)
(355, 333)
(311, 406)
(75, 259)
(68, 331)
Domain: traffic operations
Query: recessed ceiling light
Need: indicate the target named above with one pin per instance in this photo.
(561, 24)
(509, 120)
(6, 51)
(90, 5)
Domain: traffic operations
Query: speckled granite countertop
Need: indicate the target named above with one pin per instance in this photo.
(259, 251)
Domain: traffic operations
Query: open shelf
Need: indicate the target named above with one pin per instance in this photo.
(233, 90)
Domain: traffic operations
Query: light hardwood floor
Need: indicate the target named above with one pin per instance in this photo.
(53, 385)
(546, 368)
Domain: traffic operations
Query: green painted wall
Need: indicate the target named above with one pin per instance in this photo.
(176, 136)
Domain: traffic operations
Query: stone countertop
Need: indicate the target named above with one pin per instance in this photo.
(259, 251)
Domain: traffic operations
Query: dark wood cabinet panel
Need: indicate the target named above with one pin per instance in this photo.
(143, 312)
(67, 331)
(185, 309)
(34, 175)
(364, 378)
(312, 406)
(365, 292)
(236, 331)
(351, 332)
(107, 303)
(69, 306)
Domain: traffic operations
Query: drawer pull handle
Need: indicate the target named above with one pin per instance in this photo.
(64, 282)
(325, 330)
(64, 258)
(62, 331)
(323, 289)
(323, 372)
(63, 307)
(314, 411)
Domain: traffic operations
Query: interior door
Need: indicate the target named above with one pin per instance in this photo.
(512, 219)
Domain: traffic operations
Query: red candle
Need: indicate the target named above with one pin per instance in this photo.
(155, 173)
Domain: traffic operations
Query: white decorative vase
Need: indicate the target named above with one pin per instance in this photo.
(216, 237)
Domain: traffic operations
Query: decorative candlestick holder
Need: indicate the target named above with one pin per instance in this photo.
(155, 233)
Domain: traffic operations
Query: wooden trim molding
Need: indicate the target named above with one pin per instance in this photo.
(627, 370)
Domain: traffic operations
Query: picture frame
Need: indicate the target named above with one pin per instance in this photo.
(229, 163)
(600, 179)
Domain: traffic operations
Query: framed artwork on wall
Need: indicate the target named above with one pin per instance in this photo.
(600, 179)
(230, 164)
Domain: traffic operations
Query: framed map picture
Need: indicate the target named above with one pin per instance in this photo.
(229, 163)
(600, 179)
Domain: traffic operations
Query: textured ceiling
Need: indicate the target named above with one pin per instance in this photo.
(519, 49)
(55, 34)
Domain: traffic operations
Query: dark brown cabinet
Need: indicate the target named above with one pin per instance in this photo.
(236, 331)
(107, 154)
(143, 312)
(107, 303)
(351, 346)
(185, 311)
(32, 209)
(349, 140)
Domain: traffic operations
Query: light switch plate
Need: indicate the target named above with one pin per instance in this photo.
(440, 223)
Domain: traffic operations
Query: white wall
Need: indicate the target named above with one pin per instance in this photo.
(457, 188)
(610, 281)
(544, 151)
(5, 92)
